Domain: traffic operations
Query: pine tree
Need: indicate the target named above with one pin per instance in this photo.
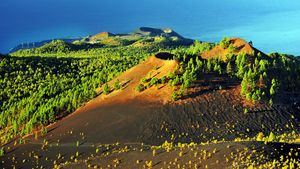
(244, 85)
(229, 68)
(208, 65)
(106, 89)
(199, 63)
(274, 87)
(261, 82)
(175, 81)
(117, 85)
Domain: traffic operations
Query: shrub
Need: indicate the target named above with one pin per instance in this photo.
(144, 80)
(2, 152)
(139, 88)
(176, 95)
(271, 102)
(168, 146)
(271, 137)
(260, 136)
(149, 164)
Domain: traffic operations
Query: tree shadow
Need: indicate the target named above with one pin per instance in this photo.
(211, 82)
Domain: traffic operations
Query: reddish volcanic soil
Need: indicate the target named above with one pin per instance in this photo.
(209, 112)
(241, 47)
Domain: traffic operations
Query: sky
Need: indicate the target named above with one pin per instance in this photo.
(273, 25)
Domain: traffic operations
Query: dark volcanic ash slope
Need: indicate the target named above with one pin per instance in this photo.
(218, 115)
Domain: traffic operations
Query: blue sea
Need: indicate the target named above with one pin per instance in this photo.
(272, 25)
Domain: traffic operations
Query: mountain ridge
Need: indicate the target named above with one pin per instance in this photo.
(139, 33)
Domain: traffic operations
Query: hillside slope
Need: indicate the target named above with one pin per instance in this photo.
(129, 117)
(152, 68)
(220, 97)
(232, 46)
